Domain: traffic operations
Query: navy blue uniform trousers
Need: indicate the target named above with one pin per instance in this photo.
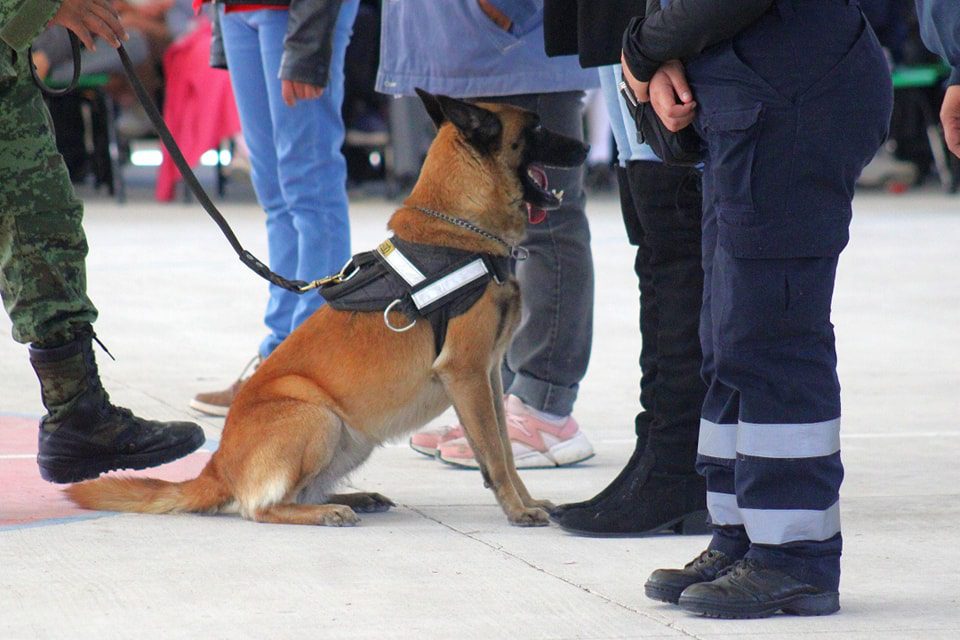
(791, 110)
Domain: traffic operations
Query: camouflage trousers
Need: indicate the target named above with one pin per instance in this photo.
(42, 244)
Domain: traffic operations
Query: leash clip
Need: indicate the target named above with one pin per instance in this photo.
(386, 318)
(519, 253)
(336, 278)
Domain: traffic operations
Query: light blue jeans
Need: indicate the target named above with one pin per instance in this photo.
(624, 128)
(297, 169)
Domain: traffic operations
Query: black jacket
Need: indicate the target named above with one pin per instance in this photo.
(592, 29)
(683, 29)
(308, 44)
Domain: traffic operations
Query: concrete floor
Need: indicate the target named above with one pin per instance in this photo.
(182, 315)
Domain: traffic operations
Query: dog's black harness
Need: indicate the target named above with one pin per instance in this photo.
(418, 280)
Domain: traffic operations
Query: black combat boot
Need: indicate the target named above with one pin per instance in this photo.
(666, 585)
(750, 589)
(83, 434)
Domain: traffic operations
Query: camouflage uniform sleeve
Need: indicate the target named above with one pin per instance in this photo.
(22, 20)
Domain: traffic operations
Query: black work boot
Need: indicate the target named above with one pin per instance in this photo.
(83, 434)
(646, 501)
(748, 589)
(666, 585)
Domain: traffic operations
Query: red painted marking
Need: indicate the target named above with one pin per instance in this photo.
(26, 498)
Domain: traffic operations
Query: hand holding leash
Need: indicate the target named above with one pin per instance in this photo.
(91, 18)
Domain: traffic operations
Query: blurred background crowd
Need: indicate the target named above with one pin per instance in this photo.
(103, 133)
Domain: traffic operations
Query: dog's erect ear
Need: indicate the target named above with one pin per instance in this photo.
(480, 127)
(432, 105)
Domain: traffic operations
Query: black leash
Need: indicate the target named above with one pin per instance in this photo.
(56, 93)
(247, 258)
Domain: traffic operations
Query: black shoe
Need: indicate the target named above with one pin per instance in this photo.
(748, 589)
(616, 486)
(84, 434)
(666, 585)
(647, 501)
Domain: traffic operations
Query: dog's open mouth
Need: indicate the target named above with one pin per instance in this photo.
(538, 199)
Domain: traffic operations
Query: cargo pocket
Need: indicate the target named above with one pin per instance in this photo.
(732, 138)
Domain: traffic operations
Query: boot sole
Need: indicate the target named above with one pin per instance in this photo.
(69, 470)
(690, 524)
(821, 604)
(661, 594)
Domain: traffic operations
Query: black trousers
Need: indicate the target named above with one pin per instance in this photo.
(662, 209)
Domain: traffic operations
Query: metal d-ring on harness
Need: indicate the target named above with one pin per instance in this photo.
(386, 318)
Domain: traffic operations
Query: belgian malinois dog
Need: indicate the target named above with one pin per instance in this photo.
(344, 382)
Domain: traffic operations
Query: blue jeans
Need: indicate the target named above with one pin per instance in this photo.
(297, 169)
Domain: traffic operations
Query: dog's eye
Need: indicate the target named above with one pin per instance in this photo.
(515, 146)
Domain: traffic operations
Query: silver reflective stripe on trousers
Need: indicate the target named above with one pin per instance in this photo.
(780, 526)
(723, 509)
(812, 440)
(717, 440)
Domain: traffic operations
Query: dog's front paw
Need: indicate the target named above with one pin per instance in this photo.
(546, 505)
(335, 515)
(531, 517)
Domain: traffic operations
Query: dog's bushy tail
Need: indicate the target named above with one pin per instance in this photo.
(205, 493)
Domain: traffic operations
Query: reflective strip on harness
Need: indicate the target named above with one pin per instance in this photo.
(449, 283)
(400, 264)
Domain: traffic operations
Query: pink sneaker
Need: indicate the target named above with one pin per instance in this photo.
(535, 442)
(428, 441)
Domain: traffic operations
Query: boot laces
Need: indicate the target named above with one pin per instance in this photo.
(705, 557)
(740, 568)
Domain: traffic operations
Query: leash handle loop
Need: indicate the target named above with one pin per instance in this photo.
(43, 86)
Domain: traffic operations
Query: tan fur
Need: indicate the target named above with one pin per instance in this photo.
(342, 383)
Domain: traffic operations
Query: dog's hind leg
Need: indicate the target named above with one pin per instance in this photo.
(297, 441)
(496, 384)
(473, 399)
(362, 502)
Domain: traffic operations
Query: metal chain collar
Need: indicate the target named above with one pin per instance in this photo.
(516, 251)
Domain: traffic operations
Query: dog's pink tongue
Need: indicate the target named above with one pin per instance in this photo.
(535, 215)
